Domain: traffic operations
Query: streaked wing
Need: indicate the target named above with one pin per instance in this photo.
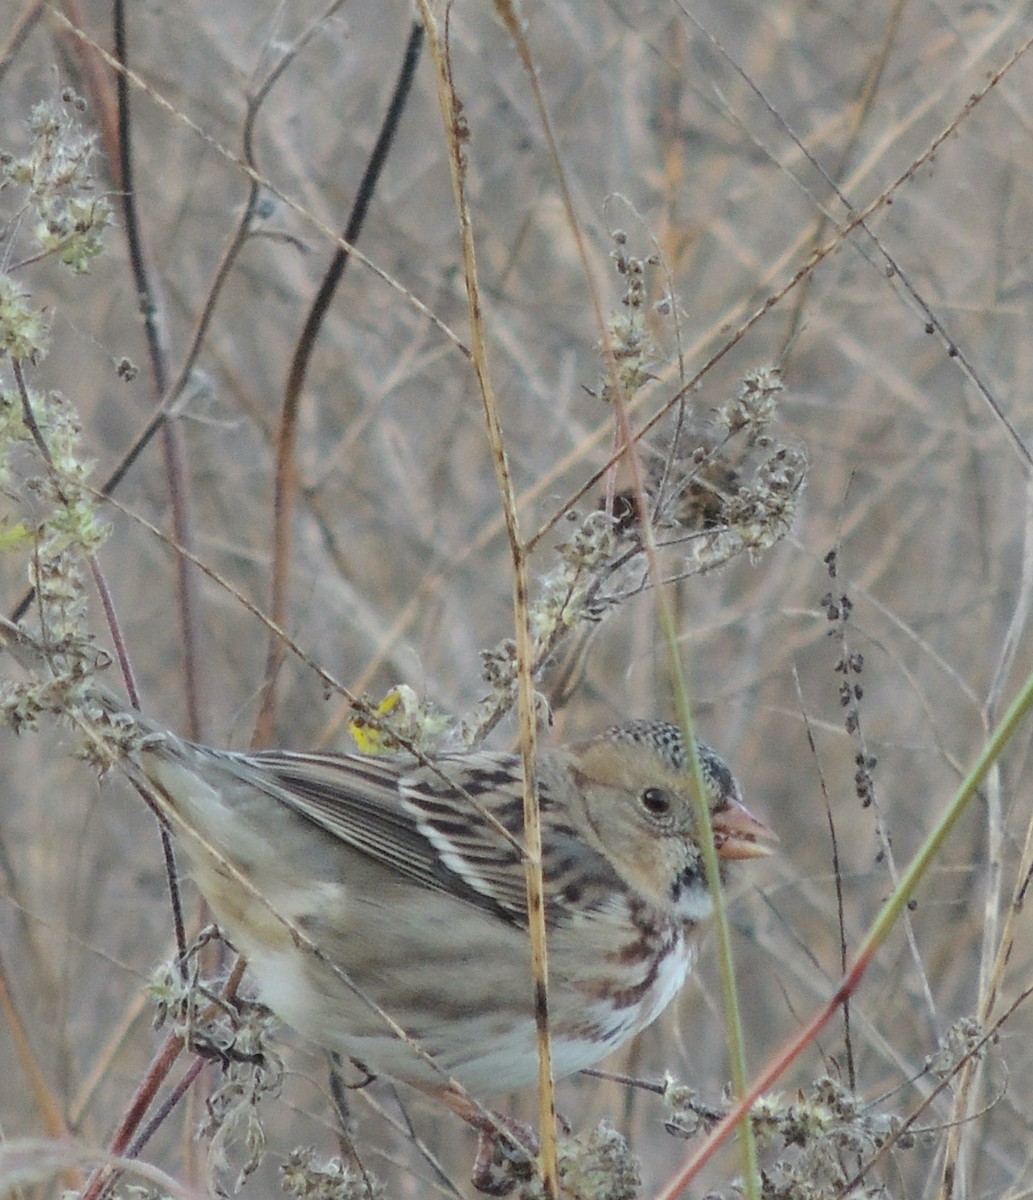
(418, 822)
(412, 820)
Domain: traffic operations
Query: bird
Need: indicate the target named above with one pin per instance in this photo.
(380, 900)
(407, 881)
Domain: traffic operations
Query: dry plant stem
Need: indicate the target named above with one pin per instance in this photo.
(954, 1156)
(401, 1124)
(626, 447)
(267, 184)
(837, 874)
(991, 973)
(877, 934)
(1019, 623)
(722, 931)
(861, 111)
(138, 1106)
(175, 468)
(115, 628)
(286, 484)
(451, 112)
(19, 30)
(103, 1060)
(860, 220)
(128, 678)
(976, 1052)
(42, 1095)
(855, 730)
(515, 28)
(160, 1114)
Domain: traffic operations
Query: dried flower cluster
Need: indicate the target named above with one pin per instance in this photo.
(306, 1176)
(833, 1133)
(239, 1035)
(597, 1165)
(724, 484)
(628, 338)
(40, 455)
(965, 1038)
(717, 485)
(59, 200)
(824, 1137)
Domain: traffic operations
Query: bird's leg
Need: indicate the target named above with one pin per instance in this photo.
(506, 1148)
(506, 1153)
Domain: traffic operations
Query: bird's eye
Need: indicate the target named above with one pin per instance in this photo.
(656, 801)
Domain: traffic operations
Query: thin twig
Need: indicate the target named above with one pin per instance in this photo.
(455, 136)
(176, 475)
(286, 483)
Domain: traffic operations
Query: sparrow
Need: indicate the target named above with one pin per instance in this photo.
(407, 882)
(380, 900)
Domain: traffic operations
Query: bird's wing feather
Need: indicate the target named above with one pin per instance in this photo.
(422, 822)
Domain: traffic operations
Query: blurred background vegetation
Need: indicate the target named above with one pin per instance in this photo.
(915, 414)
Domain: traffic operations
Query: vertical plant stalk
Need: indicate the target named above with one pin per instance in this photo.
(837, 875)
(1002, 939)
(859, 218)
(627, 442)
(455, 135)
(47, 1104)
(880, 929)
(175, 466)
(286, 486)
(734, 1039)
(141, 1101)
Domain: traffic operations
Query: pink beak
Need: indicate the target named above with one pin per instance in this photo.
(739, 834)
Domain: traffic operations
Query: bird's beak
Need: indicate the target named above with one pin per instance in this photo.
(739, 834)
